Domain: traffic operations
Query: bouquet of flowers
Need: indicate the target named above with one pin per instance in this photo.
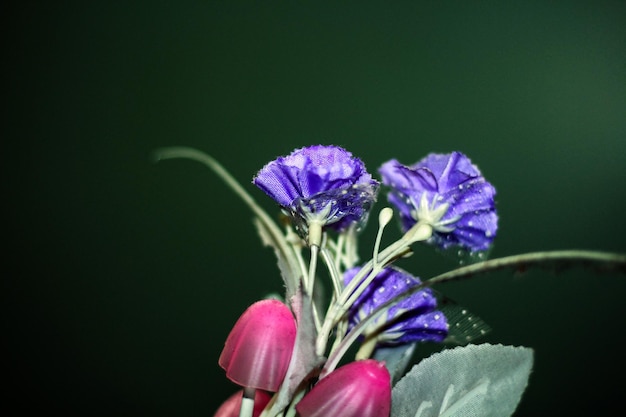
(289, 352)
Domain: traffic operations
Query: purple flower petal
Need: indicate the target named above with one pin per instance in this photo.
(470, 220)
(321, 183)
(413, 319)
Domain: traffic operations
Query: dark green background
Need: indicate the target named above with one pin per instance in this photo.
(123, 277)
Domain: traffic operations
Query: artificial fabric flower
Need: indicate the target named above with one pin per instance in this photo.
(448, 192)
(412, 319)
(357, 389)
(257, 351)
(321, 185)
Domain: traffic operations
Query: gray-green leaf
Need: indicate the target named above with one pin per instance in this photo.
(474, 380)
(396, 358)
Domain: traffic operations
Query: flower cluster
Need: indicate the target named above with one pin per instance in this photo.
(288, 355)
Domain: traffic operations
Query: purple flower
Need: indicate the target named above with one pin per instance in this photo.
(448, 192)
(413, 319)
(322, 184)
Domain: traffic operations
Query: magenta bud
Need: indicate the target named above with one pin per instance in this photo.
(358, 389)
(230, 407)
(258, 349)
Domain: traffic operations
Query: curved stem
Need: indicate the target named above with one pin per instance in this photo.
(603, 261)
(275, 232)
(335, 276)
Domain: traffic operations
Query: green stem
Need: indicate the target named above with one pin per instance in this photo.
(273, 229)
(602, 261)
(247, 402)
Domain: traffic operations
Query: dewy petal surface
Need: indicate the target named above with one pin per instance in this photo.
(258, 349)
(322, 182)
(470, 220)
(358, 389)
(413, 319)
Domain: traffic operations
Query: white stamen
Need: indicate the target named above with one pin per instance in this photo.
(433, 214)
(384, 217)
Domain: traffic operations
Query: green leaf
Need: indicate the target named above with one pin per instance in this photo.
(474, 380)
(396, 358)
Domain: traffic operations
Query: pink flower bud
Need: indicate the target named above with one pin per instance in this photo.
(230, 407)
(258, 349)
(358, 389)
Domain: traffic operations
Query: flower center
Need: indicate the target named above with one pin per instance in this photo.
(431, 213)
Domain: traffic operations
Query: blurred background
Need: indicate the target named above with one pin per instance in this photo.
(123, 277)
